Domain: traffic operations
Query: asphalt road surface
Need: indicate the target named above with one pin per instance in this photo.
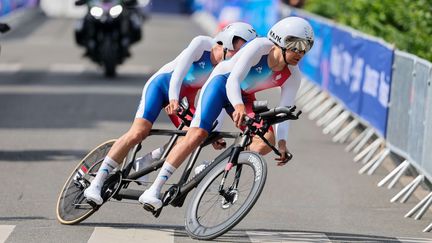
(55, 106)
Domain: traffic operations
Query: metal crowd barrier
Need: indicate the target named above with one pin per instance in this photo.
(409, 122)
(404, 129)
(408, 133)
(409, 130)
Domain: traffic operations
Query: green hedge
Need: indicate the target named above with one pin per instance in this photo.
(405, 23)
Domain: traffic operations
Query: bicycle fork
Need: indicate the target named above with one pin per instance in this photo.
(233, 161)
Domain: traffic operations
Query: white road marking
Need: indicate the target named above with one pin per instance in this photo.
(10, 67)
(265, 236)
(76, 68)
(115, 235)
(5, 231)
(413, 240)
(135, 69)
(57, 89)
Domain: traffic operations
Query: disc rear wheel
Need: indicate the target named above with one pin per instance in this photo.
(72, 206)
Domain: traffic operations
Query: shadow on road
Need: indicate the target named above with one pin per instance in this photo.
(22, 218)
(44, 77)
(41, 155)
(68, 101)
(262, 235)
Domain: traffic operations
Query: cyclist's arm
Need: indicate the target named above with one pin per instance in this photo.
(248, 56)
(184, 61)
(288, 95)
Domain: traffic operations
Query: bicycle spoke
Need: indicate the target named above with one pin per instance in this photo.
(215, 209)
(211, 198)
(245, 190)
(208, 210)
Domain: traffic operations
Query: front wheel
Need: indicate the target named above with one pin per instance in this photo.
(210, 214)
(72, 206)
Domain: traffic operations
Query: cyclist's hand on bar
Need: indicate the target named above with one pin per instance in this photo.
(171, 108)
(285, 155)
(239, 114)
(219, 144)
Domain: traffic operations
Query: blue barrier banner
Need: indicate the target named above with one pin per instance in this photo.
(376, 85)
(261, 14)
(360, 76)
(211, 6)
(316, 64)
(346, 68)
(7, 6)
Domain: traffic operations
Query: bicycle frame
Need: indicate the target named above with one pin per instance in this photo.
(177, 193)
(72, 207)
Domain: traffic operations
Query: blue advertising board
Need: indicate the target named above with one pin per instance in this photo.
(376, 84)
(7, 6)
(316, 64)
(360, 76)
(355, 69)
(261, 14)
(346, 68)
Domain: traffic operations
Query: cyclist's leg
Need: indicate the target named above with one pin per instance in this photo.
(138, 132)
(212, 100)
(156, 154)
(148, 110)
(155, 98)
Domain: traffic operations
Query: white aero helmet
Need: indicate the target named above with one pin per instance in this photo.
(292, 33)
(237, 29)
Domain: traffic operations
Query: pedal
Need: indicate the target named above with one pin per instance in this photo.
(157, 213)
(151, 209)
(170, 195)
(93, 204)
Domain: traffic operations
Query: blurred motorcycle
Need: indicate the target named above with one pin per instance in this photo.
(108, 30)
(3, 29)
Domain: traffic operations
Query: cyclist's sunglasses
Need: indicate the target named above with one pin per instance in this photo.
(298, 45)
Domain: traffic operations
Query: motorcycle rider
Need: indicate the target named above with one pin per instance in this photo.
(131, 27)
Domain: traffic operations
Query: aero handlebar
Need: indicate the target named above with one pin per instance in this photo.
(288, 110)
